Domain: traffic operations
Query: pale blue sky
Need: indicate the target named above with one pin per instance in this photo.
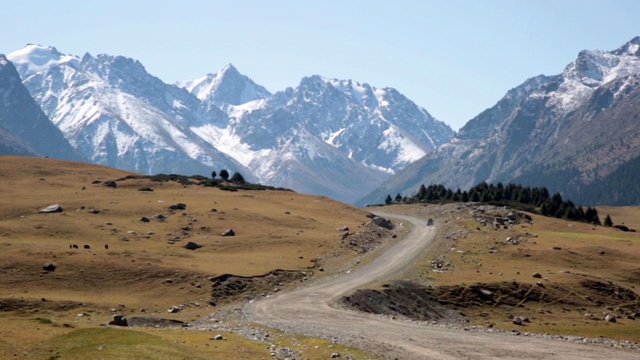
(455, 58)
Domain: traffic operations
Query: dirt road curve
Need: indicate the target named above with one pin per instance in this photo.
(308, 311)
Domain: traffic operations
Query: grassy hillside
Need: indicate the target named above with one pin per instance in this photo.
(563, 276)
(139, 268)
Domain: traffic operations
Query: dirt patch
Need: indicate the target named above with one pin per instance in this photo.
(228, 287)
(591, 295)
(143, 321)
(402, 298)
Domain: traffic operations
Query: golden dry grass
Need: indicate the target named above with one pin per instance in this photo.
(274, 230)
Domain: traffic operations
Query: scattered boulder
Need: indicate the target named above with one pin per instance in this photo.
(520, 320)
(110, 183)
(87, 247)
(335, 355)
(177, 308)
(537, 276)
(94, 211)
(217, 337)
(55, 208)
(49, 267)
(178, 206)
(610, 318)
(344, 228)
(192, 246)
(512, 241)
(229, 232)
(160, 217)
(119, 320)
(145, 189)
(144, 219)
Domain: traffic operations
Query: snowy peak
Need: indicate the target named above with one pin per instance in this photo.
(229, 71)
(630, 48)
(362, 94)
(106, 62)
(226, 87)
(36, 58)
(593, 68)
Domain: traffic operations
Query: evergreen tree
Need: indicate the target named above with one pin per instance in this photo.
(608, 221)
(388, 199)
(398, 198)
(422, 193)
(224, 174)
(238, 178)
(213, 174)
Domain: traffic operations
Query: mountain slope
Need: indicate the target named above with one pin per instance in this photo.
(567, 132)
(114, 112)
(24, 128)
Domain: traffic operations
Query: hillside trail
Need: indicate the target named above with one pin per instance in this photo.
(311, 311)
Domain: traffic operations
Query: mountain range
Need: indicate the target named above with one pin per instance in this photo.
(576, 133)
(330, 137)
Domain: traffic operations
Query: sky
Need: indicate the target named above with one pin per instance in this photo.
(454, 58)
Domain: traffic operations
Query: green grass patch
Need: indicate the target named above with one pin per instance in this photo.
(106, 343)
(45, 321)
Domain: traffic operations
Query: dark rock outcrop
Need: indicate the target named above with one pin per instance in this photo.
(192, 246)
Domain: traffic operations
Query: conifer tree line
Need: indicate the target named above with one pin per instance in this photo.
(532, 199)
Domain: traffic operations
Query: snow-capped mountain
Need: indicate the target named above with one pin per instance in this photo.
(326, 136)
(115, 113)
(570, 132)
(24, 128)
(224, 88)
(338, 138)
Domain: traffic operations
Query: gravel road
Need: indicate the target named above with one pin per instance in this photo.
(311, 311)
